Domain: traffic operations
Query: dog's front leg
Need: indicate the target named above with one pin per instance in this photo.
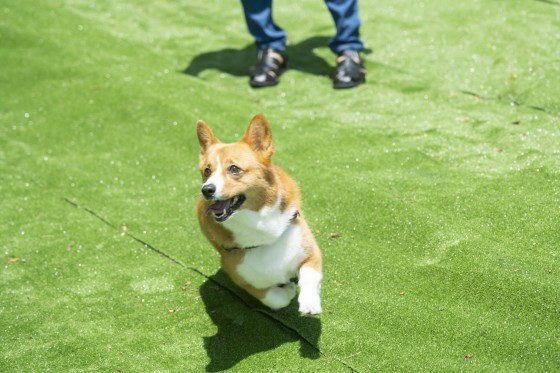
(310, 287)
(278, 297)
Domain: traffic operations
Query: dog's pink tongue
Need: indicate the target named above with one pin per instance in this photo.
(218, 207)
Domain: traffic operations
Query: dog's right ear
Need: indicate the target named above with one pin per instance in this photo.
(206, 137)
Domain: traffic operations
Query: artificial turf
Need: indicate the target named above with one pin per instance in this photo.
(433, 189)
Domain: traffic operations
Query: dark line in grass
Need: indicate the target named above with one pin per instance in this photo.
(233, 293)
(469, 93)
(271, 317)
(96, 215)
(262, 312)
(516, 103)
(551, 2)
(536, 108)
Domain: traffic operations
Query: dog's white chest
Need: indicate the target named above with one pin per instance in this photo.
(276, 263)
(263, 227)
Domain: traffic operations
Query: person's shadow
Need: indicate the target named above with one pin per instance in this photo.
(236, 62)
(245, 327)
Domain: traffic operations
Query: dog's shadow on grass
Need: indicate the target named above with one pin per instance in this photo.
(236, 62)
(245, 328)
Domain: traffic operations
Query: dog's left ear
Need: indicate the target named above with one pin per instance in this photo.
(259, 137)
(206, 137)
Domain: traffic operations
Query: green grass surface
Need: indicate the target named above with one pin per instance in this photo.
(441, 176)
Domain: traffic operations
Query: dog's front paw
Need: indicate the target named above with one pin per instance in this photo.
(309, 303)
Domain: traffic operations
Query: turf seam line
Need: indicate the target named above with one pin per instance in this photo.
(99, 217)
(263, 312)
(233, 293)
(551, 2)
(501, 98)
(272, 318)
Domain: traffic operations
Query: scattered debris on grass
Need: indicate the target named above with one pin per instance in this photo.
(172, 310)
(13, 259)
(402, 293)
(334, 235)
(468, 357)
(516, 122)
(186, 286)
(476, 96)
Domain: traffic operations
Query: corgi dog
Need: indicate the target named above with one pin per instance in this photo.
(250, 210)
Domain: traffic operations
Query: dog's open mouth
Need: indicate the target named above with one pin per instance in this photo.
(223, 209)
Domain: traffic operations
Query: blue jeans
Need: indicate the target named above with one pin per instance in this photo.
(267, 34)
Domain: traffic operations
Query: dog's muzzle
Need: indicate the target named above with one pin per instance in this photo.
(224, 208)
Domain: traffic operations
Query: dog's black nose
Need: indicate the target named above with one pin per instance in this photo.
(208, 190)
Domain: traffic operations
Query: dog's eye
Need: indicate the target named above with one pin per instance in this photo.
(234, 170)
(207, 171)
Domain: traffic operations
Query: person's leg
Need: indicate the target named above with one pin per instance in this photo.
(270, 40)
(347, 22)
(346, 43)
(258, 15)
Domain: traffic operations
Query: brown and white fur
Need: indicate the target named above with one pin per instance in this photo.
(250, 210)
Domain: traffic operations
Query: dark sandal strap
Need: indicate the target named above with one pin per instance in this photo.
(350, 70)
(268, 68)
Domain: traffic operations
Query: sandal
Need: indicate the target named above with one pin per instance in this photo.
(350, 70)
(266, 72)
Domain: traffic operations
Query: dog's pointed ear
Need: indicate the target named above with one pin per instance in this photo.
(206, 137)
(259, 137)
